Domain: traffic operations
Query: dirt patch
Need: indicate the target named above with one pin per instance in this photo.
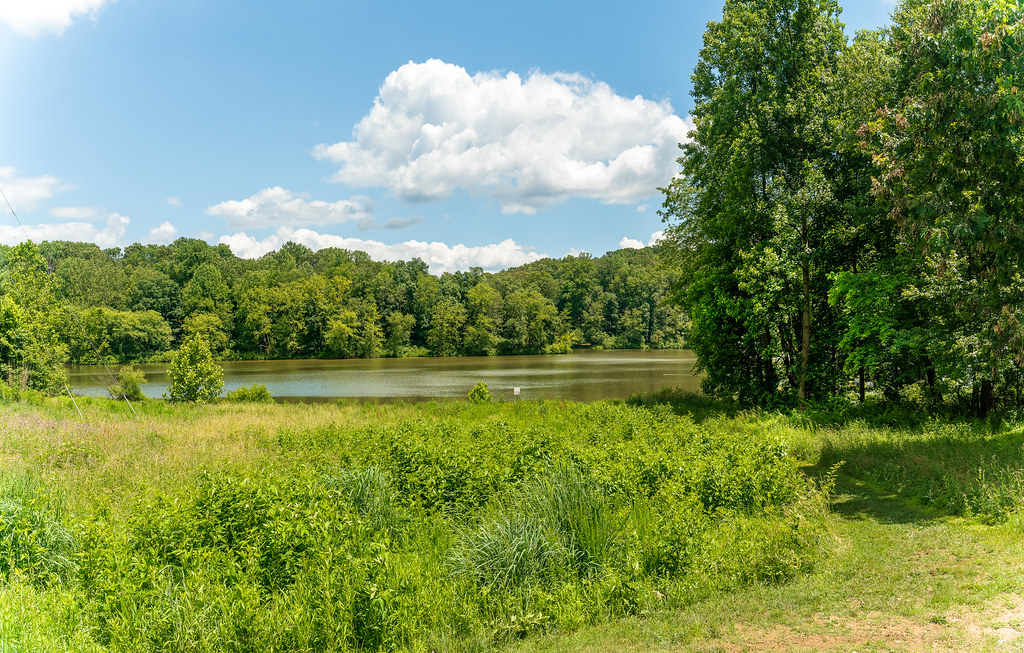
(844, 634)
(1000, 626)
(1001, 623)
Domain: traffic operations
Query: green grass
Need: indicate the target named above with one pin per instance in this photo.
(663, 523)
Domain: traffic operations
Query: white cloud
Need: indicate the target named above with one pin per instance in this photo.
(528, 142)
(633, 243)
(26, 193)
(276, 206)
(173, 201)
(75, 213)
(34, 17)
(108, 236)
(440, 257)
(113, 233)
(162, 234)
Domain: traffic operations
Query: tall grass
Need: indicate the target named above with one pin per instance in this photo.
(435, 527)
(963, 467)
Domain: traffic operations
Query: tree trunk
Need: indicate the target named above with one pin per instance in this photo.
(860, 373)
(987, 399)
(805, 344)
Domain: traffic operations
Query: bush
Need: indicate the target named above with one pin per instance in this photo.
(256, 393)
(480, 394)
(128, 385)
(194, 375)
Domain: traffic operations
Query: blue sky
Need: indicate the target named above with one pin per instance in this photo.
(464, 133)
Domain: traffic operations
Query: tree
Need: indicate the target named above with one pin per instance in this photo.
(752, 210)
(400, 327)
(206, 292)
(123, 335)
(446, 323)
(31, 352)
(193, 373)
(207, 325)
(530, 322)
(949, 162)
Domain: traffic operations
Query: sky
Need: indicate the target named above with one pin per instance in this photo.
(463, 133)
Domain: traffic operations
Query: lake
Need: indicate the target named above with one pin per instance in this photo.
(581, 376)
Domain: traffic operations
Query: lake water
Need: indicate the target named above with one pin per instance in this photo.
(582, 376)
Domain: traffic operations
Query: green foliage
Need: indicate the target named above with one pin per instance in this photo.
(256, 393)
(480, 394)
(967, 468)
(948, 160)
(446, 327)
(849, 213)
(128, 385)
(756, 204)
(564, 343)
(121, 335)
(437, 527)
(295, 303)
(193, 373)
(31, 354)
(209, 326)
(34, 541)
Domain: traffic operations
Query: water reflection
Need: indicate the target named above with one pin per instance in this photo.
(583, 376)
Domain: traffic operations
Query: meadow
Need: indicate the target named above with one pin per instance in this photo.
(441, 526)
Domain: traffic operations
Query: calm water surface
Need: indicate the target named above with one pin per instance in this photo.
(582, 376)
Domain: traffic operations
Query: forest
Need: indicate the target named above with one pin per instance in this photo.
(850, 215)
(140, 302)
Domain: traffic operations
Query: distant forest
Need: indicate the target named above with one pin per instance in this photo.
(140, 302)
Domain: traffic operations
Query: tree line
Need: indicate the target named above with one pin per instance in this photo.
(75, 302)
(850, 214)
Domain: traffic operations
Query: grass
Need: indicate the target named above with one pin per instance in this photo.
(900, 578)
(663, 523)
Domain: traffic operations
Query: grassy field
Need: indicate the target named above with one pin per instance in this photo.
(659, 524)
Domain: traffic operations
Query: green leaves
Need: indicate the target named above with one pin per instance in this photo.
(756, 205)
(194, 376)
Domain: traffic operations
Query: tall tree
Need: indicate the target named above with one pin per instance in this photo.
(31, 318)
(949, 153)
(753, 206)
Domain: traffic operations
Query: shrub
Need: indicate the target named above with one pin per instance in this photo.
(256, 393)
(480, 394)
(194, 375)
(128, 385)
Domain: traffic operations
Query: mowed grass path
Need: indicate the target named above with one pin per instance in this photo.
(901, 578)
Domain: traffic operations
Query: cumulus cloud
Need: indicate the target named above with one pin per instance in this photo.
(528, 142)
(35, 17)
(440, 257)
(163, 234)
(633, 243)
(109, 235)
(26, 193)
(75, 213)
(275, 207)
(173, 201)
